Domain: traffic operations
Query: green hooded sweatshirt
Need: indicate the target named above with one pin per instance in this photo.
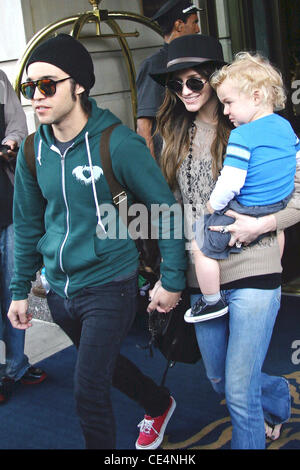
(56, 214)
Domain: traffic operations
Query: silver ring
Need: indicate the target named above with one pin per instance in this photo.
(224, 230)
(238, 244)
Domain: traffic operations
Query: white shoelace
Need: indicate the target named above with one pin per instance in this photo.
(146, 425)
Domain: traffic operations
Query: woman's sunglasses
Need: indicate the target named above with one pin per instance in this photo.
(193, 84)
(46, 86)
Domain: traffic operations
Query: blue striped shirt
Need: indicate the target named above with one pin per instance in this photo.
(266, 149)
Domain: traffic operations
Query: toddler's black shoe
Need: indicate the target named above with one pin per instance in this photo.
(201, 311)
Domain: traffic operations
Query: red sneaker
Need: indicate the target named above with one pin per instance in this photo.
(33, 376)
(152, 429)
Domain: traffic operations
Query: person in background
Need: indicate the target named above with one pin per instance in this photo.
(175, 18)
(14, 363)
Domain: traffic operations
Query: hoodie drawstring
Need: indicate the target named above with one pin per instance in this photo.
(93, 182)
(39, 158)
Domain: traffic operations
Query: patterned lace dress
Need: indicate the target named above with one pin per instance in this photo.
(201, 181)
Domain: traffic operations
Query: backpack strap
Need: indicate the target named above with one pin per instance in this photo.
(118, 192)
(30, 153)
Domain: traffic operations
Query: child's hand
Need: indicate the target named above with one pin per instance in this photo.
(209, 208)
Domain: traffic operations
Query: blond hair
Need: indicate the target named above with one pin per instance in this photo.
(251, 72)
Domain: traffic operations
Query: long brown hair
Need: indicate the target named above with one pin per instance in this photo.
(173, 123)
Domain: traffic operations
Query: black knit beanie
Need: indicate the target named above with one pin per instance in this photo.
(68, 54)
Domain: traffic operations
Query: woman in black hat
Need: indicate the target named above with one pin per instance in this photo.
(233, 346)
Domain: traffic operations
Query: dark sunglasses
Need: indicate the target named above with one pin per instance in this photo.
(46, 86)
(193, 84)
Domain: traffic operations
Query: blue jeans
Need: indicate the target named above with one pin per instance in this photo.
(233, 349)
(16, 361)
(97, 320)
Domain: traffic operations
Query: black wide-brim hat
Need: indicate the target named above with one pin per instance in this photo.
(188, 51)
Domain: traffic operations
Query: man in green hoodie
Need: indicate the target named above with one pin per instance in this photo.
(58, 223)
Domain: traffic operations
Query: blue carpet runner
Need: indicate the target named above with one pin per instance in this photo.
(44, 417)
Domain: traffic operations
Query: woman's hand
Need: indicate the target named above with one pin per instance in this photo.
(246, 229)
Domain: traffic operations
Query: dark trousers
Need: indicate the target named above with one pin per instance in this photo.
(97, 320)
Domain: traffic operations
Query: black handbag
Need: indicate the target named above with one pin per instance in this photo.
(172, 336)
(175, 338)
(178, 342)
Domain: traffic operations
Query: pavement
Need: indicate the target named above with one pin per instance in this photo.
(44, 338)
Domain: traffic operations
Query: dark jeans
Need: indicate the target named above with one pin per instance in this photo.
(97, 320)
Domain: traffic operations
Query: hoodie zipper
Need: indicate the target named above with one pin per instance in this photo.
(68, 225)
(67, 216)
